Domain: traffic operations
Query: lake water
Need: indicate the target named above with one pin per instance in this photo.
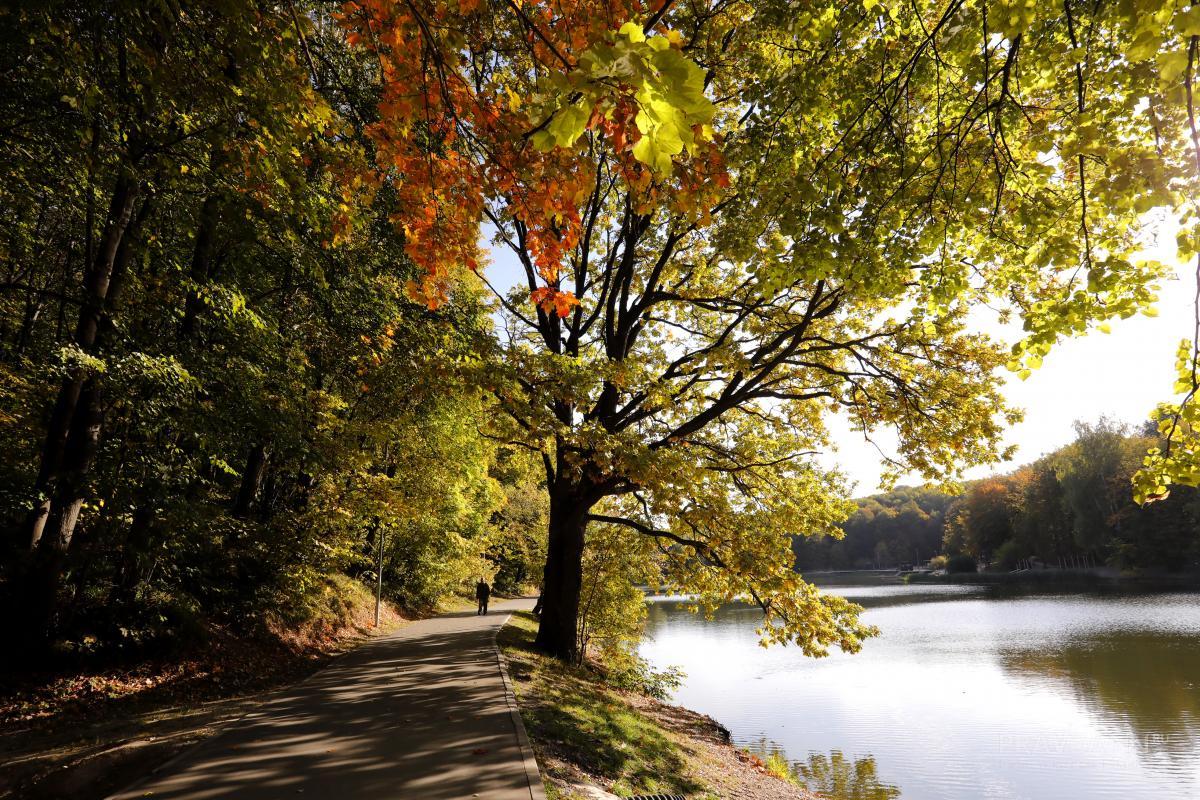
(965, 694)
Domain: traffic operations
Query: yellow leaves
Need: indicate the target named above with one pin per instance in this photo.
(1188, 22)
(1171, 65)
(633, 32)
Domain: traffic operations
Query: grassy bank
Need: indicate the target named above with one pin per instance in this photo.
(586, 733)
(83, 729)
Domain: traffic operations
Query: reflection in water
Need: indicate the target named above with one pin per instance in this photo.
(840, 778)
(833, 776)
(968, 693)
(1146, 683)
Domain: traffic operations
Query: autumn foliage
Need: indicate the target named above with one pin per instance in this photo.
(482, 103)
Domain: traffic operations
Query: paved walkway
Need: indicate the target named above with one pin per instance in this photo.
(421, 714)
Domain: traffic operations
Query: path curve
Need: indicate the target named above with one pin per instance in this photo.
(420, 714)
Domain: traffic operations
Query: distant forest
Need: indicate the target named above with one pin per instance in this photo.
(1073, 504)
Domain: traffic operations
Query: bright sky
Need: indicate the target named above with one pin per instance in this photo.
(1121, 375)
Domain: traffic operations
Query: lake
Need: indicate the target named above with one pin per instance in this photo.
(967, 693)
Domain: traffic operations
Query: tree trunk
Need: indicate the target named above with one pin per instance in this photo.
(201, 268)
(96, 285)
(138, 542)
(45, 574)
(563, 577)
(252, 477)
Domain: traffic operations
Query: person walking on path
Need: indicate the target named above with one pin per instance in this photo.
(482, 593)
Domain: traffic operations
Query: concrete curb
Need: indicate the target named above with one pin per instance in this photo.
(537, 790)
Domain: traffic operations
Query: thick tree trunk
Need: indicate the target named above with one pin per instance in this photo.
(563, 577)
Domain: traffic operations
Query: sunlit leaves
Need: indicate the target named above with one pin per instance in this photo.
(667, 87)
(685, 195)
(553, 301)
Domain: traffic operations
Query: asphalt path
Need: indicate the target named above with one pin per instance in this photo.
(420, 714)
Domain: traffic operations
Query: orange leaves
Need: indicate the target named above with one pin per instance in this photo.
(553, 301)
(416, 139)
(430, 291)
(450, 146)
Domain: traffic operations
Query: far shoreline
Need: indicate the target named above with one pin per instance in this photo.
(1099, 578)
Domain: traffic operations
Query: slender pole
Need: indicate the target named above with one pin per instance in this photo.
(379, 576)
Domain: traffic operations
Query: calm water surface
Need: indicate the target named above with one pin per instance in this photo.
(966, 694)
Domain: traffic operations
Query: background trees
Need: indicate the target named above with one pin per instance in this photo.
(214, 393)
(1072, 508)
(907, 522)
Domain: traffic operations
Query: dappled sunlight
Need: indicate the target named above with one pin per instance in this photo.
(417, 714)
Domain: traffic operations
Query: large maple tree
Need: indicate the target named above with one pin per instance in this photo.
(734, 218)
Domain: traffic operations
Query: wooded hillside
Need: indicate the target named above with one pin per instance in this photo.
(1071, 508)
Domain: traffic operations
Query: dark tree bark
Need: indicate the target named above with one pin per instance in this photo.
(133, 555)
(45, 574)
(97, 281)
(563, 577)
(201, 268)
(252, 475)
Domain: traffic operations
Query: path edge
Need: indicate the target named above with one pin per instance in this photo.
(533, 775)
(256, 702)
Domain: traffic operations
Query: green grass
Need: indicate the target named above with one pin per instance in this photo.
(781, 768)
(577, 723)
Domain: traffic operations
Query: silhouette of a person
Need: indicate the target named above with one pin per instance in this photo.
(482, 593)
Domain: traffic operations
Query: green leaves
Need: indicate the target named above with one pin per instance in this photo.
(566, 126)
(662, 128)
(667, 88)
(669, 108)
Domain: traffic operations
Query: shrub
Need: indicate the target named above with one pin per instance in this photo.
(961, 563)
(612, 611)
(634, 674)
(1009, 554)
(777, 764)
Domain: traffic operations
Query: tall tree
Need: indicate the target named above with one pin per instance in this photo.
(147, 94)
(735, 217)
